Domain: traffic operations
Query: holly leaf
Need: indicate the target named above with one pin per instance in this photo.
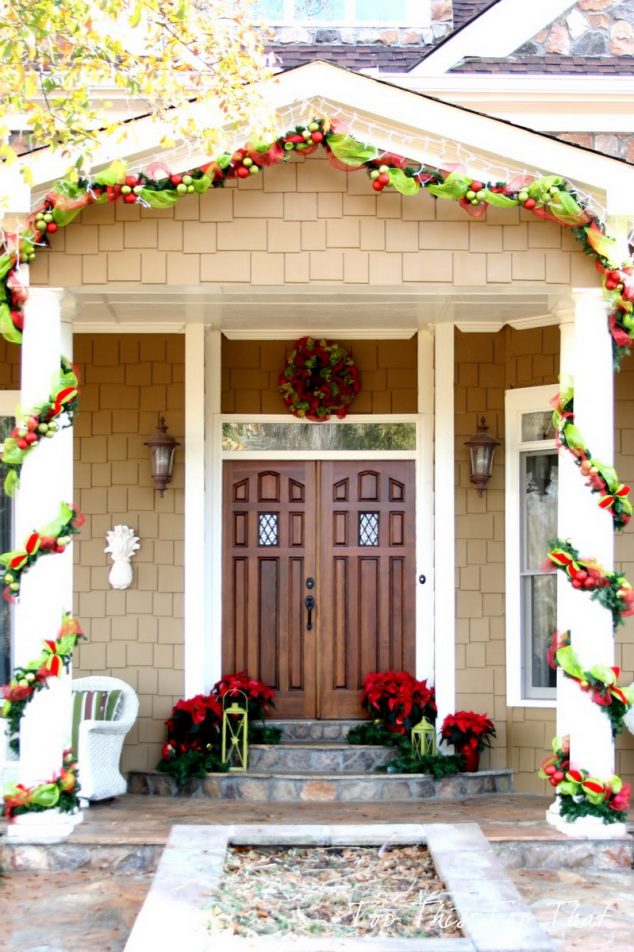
(402, 182)
(454, 186)
(164, 198)
(349, 151)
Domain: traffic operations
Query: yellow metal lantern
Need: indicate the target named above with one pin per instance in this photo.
(235, 730)
(424, 739)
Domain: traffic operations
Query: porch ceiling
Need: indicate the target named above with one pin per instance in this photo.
(256, 312)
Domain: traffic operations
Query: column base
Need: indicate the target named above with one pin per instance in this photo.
(586, 827)
(50, 826)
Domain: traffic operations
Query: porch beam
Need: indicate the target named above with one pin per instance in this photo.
(586, 357)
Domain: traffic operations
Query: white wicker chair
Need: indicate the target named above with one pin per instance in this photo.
(100, 742)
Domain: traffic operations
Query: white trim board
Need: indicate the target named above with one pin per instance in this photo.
(516, 403)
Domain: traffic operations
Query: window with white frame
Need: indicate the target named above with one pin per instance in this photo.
(531, 520)
(415, 13)
(6, 534)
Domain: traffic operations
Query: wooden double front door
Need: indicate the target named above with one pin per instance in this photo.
(319, 576)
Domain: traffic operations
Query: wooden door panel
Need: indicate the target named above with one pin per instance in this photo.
(268, 552)
(366, 590)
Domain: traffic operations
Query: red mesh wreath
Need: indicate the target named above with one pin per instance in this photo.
(320, 379)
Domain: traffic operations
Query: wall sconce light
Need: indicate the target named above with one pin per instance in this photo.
(162, 446)
(481, 449)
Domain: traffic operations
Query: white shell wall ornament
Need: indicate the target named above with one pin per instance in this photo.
(122, 544)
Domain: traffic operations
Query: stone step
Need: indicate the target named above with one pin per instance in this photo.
(290, 786)
(313, 731)
(317, 757)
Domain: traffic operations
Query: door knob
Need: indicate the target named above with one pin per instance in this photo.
(309, 602)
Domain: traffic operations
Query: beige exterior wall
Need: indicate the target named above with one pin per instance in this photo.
(486, 366)
(136, 634)
(308, 222)
(251, 370)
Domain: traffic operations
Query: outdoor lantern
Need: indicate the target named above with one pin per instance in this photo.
(481, 448)
(235, 730)
(424, 739)
(162, 446)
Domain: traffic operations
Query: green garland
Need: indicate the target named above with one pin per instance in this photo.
(599, 682)
(547, 197)
(60, 792)
(34, 676)
(51, 539)
(600, 478)
(40, 422)
(610, 589)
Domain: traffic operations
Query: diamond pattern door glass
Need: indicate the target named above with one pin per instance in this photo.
(368, 528)
(268, 528)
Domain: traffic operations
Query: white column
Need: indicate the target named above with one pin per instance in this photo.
(213, 509)
(425, 648)
(444, 522)
(586, 357)
(195, 578)
(46, 591)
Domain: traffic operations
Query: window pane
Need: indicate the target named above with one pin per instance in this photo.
(6, 510)
(379, 10)
(239, 437)
(539, 496)
(539, 610)
(368, 528)
(268, 528)
(537, 426)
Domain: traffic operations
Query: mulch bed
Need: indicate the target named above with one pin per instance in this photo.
(332, 891)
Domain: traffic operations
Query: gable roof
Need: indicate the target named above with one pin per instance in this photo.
(551, 64)
(464, 11)
(389, 117)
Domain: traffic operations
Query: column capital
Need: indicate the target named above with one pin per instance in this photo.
(59, 297)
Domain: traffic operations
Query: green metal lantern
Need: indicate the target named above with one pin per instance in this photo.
(424, 739)
(235, 731)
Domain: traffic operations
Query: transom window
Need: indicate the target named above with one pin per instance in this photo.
(532, 468)
(368, 12)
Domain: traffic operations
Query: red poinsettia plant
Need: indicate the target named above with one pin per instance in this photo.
(320, 379)
(398, 699)
(259, 695)
(194, 728)
(466, 729)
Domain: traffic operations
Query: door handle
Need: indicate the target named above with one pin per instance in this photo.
(309, 602)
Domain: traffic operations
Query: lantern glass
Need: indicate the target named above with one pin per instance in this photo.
(162, 446)
(235, 731)
(481, 451)
(424, 739)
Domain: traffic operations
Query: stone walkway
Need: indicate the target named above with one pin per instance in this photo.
(82, 909)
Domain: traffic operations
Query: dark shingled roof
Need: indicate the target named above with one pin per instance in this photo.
(552, 63)
(466, 10)
(389, 59)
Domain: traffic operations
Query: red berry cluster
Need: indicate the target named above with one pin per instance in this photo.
(380, 177)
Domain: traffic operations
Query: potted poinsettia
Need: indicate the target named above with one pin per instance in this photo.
(398, 700)
(469, 733)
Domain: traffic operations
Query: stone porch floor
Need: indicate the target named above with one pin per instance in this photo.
(91, 898)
